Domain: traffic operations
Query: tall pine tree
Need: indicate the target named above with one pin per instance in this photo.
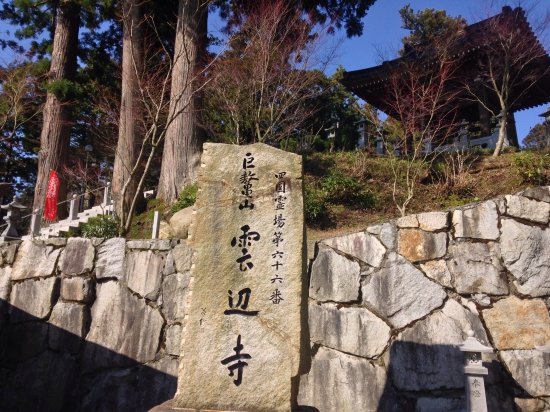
(183, 147)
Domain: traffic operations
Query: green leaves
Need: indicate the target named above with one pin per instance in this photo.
(105, 226)
(425, 26)
(64, 90)
(187, 198)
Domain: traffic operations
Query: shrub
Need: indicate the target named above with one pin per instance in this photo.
(531, 167)
(187, 198)
(104, 226)
(340, 189)
(315, 205)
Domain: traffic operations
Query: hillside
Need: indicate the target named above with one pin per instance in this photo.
(352, 190)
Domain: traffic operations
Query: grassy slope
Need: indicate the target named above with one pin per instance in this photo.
(439, 187)
(356, 188)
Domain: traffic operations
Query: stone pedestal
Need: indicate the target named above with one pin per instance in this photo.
(242, 329)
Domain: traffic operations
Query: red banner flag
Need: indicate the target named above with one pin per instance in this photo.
(50, 206)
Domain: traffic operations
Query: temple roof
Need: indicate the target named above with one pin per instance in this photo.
(370, 84)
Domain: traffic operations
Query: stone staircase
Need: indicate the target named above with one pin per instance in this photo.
(75, 219)
(64, 226)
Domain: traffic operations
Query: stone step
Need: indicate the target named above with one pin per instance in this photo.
(65, 225)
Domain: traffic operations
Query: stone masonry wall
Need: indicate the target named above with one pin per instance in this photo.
(95, 325)
(388, 305)
(90, 325)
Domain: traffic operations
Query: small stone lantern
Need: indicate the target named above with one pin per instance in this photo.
(14, 215)
(379, 145)
(462, 137)
(474, 372)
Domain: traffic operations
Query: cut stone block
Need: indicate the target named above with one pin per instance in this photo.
(9, 253)
(124, 330)
(342, 383)
(477, 222)
(182, 255)
(352, 330)
(401, 293)
(407, 222)
(518, 324)
(476, 268)
(175, 289)
(154, 244)
(34, 261)
(530, 369)
(438, 271)
(334, 277)
(32, 300)
(76, 289)
(538, 193)
(522, 248)
(530, 404)
(433, 221)
(5, 278)
(388, 236)
(374, 230)
(169, 265)
(527, 209)
(67, 327)
(143, 273)
(425, 357)
(417, 245)
(360, 245)
(110, 259)
(77, 257)
(173, 340)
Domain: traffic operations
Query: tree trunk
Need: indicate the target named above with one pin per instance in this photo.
(184, 137)
(501, 133)
(130, 134)
(56, 129)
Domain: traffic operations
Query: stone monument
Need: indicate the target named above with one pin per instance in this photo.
(242, 329)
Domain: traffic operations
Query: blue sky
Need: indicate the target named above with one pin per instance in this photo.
(383, 30)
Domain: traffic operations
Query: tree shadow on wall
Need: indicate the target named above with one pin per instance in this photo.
(45, 368)
(420, 378)
(430, 378)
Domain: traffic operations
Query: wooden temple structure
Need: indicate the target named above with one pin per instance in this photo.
(370, 84)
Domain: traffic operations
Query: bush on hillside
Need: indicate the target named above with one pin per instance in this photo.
(187, 198)
(531, 166)
(104, 226)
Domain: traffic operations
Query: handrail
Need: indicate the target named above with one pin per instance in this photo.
(44, 222)
(38, 213)
(81, 194)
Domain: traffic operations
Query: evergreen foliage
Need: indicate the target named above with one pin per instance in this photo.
(426, 26)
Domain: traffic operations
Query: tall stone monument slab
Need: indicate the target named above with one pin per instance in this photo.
(242, 328)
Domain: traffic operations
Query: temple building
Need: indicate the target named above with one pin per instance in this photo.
(371, 84)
